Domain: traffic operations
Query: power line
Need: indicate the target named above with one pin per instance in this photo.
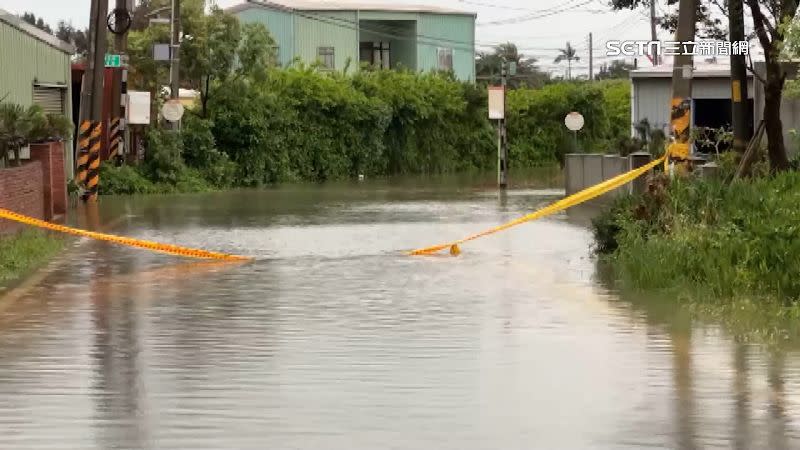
(489, 5)
(539, 15)
(353, 25)
(434, 40)
(511, 8)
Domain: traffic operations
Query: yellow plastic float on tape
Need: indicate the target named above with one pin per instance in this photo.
(567, 202)
(147, 245)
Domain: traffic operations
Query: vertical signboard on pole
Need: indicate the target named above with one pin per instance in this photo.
(497, 104)
(138, 108)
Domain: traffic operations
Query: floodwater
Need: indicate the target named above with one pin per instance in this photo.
(332, 339)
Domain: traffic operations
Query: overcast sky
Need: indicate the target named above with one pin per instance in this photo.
(543, 26)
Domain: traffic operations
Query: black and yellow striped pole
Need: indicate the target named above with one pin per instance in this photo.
(115, 139)
(83, 152)
(682, 68)
(93, 170)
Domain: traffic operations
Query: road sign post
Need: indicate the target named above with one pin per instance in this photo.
(574, 122)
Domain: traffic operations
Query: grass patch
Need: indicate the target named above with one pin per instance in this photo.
(24, 252)
(726, 252)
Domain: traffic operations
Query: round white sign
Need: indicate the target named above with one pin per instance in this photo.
(574, 121)
(172, 110)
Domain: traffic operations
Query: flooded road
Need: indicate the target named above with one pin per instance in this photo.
(332, 339)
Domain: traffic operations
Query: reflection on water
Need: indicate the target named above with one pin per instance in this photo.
(333, 339)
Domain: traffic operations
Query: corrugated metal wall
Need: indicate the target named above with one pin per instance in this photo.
(651, 97)
(25, 60)
(401, 36)
(449, 31)
(650, 100)
(308, 30)
(335, 29)
(279, 24)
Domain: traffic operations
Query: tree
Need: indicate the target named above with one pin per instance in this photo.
(567, 54)
(210, 49)
(710, 14)
(488, 64)
(209, 54)
(78, 38)
(37, 22)
(18, 126)
(256, 52)
(617, 69)
(770, 19)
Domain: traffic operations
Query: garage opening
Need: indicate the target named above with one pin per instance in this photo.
(715, 113)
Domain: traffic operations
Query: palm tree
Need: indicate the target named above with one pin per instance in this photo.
(487, 66)
(17, 127)
(568, 54)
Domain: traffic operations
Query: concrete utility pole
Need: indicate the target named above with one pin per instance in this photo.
(97, 60)
(591, 58)
(90, 129)
(740, 110)
(502, 138)
(682, 68)
(175, 81)
(88, 74)
(653, 35)
(119, 89)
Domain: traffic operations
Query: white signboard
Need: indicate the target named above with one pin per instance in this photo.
(161, 52)
(497, 103)
(138, 108)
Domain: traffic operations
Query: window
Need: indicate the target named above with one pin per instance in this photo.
(50, 98)
(376, 54)
(445, 58)
(325, 55)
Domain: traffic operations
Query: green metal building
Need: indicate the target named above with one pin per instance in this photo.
(35, 69)
(342, 35)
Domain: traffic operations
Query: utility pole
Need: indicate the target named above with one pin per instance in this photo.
(92, 102)
(682, 68)
(175, 81)
(653, 35)
(502, 137)
(99, 59)
(118, 133)
(591, 60)
(740, 108)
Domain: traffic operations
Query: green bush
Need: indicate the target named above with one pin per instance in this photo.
(199, 147)
(200, 153)
(163, 160)
(535, 119)
(298, 124)
(124, 180)
(731, 239)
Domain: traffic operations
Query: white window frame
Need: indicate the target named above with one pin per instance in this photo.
(447, 53)
(323, 53)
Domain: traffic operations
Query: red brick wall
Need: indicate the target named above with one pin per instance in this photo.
(37, 188)
(51, 155)
(22, 191)
(58, 170)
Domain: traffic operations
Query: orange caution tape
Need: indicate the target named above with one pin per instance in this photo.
(147, 245)
(567, 202)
